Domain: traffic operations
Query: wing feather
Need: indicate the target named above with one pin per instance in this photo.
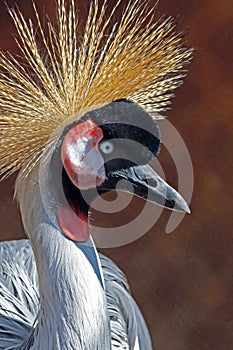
(19, 297)
(19, 300)
(128, 328)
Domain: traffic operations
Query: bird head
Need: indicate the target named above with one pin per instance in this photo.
(109, 148)
(89, 105)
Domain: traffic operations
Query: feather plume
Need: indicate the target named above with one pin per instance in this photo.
(62, 77)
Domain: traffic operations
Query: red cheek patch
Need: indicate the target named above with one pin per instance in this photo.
(80, 155)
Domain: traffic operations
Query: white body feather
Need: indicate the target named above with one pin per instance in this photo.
(20, 305)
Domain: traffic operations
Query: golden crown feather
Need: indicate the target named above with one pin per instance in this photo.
(140, 58)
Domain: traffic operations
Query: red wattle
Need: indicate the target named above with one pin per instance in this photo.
(73, 223)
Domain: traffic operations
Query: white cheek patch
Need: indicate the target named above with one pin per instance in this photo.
(81, 158)
(88, 164)
(76, 150)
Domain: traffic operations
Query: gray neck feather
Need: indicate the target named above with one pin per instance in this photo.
(73, 312)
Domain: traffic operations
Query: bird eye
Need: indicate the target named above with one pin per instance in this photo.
(106, 147)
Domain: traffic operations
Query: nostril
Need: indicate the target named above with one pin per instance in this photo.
(152, 182)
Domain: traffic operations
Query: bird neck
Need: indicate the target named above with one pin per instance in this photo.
(73, 306)
(73, 312)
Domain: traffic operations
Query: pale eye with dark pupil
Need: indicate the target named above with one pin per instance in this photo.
(106, 147)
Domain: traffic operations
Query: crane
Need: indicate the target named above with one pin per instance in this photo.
(69, 116)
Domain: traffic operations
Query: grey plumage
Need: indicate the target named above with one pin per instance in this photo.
(128, 328)
(19, 297)
(19, 300)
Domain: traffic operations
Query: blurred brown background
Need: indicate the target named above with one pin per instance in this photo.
(183, 282)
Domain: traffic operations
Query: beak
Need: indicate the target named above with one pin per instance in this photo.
(144, 182)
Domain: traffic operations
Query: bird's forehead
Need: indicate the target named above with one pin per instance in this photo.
(121, 111)
(126, 120)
